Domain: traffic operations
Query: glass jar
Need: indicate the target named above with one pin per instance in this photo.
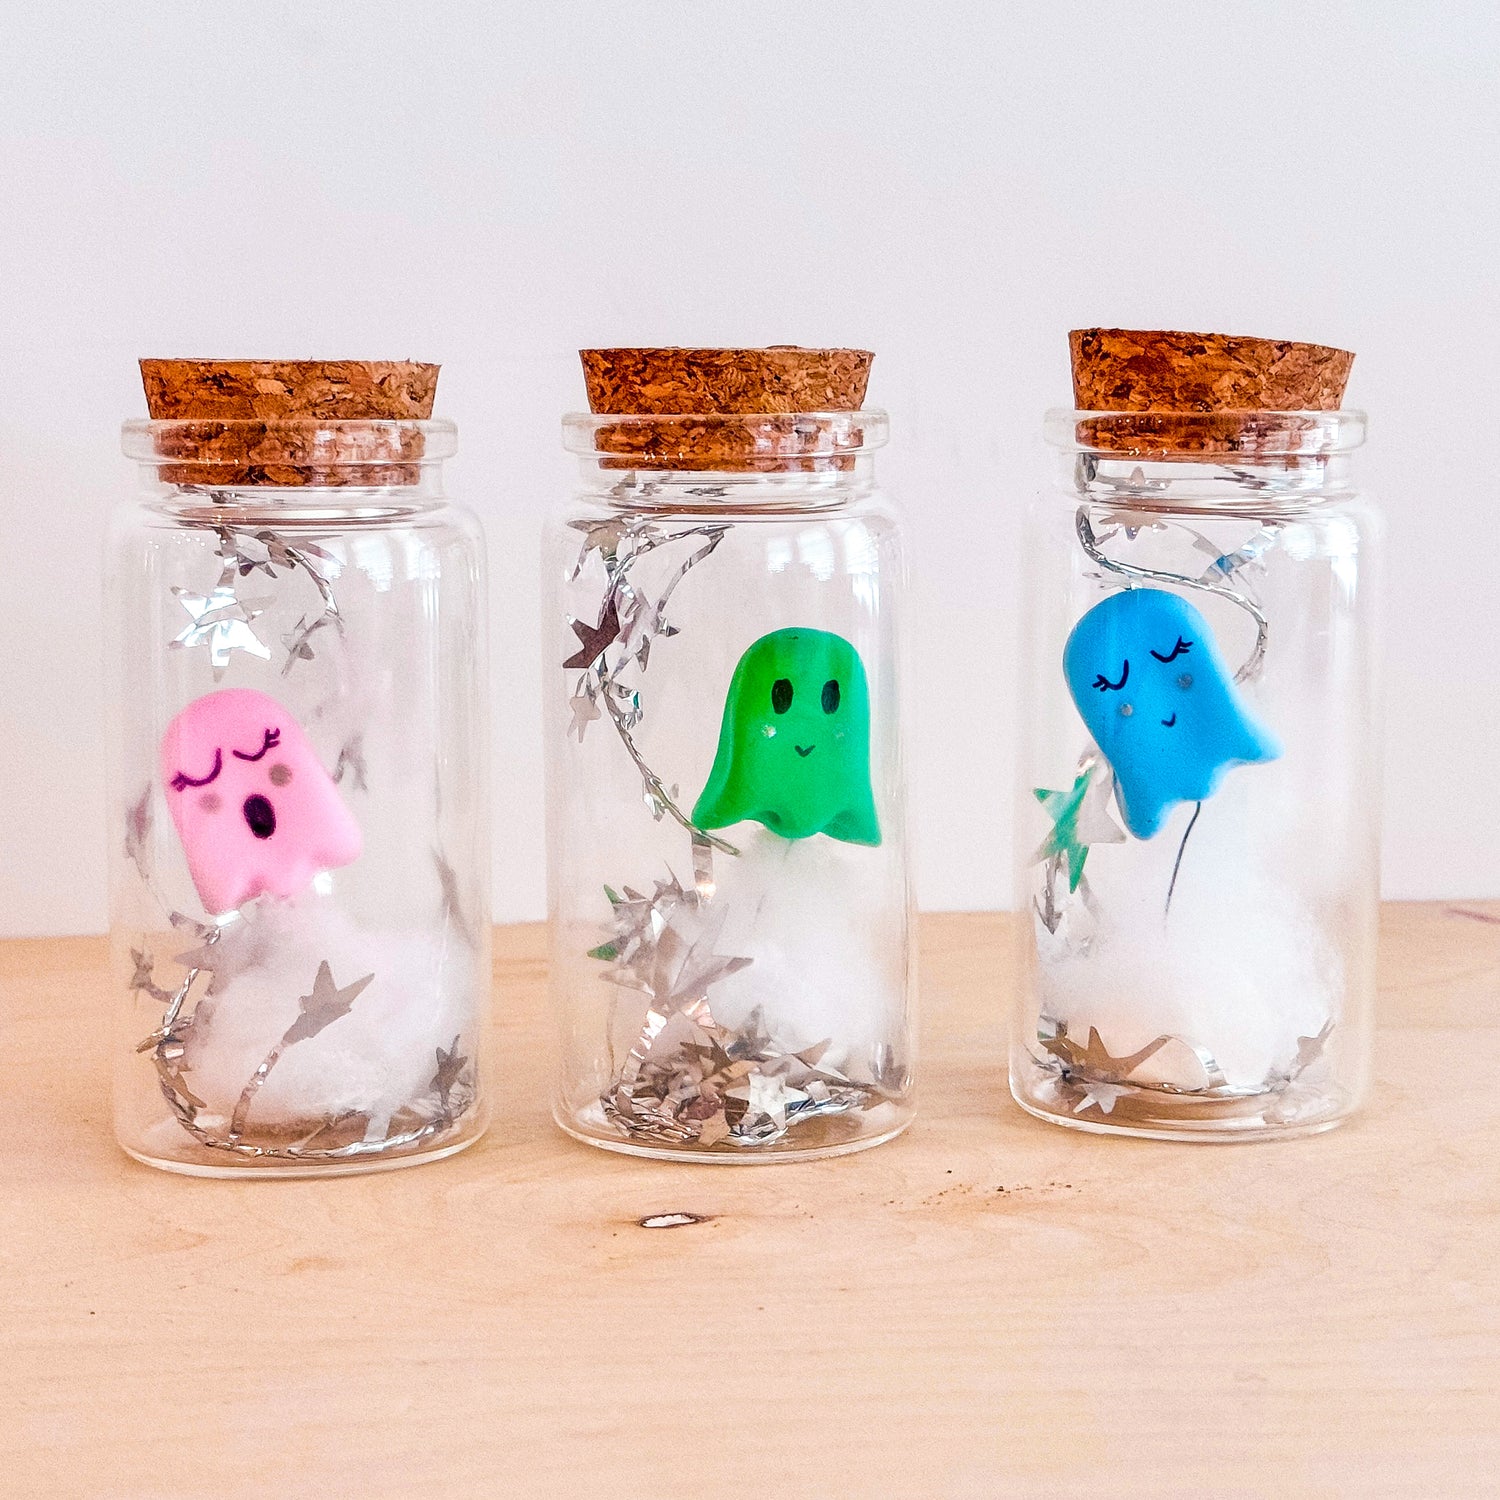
(1198, 825)
(732, 955)
(300, 917)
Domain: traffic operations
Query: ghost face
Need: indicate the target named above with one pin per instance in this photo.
(794, 747)
(255, 810)
(1150, 684)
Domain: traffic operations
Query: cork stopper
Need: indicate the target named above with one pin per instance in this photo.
(289, 422)
(1160, 373)
(727, 409)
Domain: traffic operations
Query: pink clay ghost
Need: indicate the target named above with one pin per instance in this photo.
(255, 810)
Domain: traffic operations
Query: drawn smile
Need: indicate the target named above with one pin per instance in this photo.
(804, 753)
(1168, 723)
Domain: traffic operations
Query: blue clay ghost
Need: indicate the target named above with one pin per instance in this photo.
(1150, 684)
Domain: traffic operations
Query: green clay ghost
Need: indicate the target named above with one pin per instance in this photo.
(794, 747)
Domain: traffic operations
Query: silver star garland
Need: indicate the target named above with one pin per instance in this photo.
(313, 561)
(321, 1009)
(1213, 582)
(687, 1080)
(143, 977)
(1088, 1076)
(297, 642)
(629, 621)
(222, 620)
(691, 1081)
(244, 551)
(226, 949)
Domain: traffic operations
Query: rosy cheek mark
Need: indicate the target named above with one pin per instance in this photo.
(210, 802)
(280, 775)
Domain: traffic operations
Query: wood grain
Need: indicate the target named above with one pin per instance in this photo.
(988, 1306)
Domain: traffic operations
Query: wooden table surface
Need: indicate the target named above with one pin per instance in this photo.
(988, 1306)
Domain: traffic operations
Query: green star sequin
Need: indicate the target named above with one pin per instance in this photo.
(1079, 819)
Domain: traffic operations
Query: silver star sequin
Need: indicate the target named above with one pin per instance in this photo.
(450, 1065)
(245, 553)
(664, 945)
(1099, 1095)
(584, 710)
(221, 621)
(223, 952)
(143, 976)
(455, 907)
(138, 834)
(324, 1006)
(298, 641)
(351, 762)
(602, 537)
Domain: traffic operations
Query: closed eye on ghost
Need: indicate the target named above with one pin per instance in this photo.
(182, 781)
(1180, 649)
(271, 740)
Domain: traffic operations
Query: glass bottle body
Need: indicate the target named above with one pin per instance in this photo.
(300, 918)
(731, 943)
(1198, 809)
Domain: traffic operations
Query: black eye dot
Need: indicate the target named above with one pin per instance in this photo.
(781, 694)
(831, 696)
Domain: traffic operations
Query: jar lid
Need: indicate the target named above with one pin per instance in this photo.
(1164, 374)
(240, 422)
(682, 382)
(726, 410)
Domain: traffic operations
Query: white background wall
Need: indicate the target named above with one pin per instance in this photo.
(952, 185)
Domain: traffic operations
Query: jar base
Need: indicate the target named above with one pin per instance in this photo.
(1159, 1116)
(203, 1165)
(882, 1124)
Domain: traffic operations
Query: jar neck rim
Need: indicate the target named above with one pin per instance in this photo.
(1205, 437)
(136, 432)
(749, 443)
(616, 482)
(237, 453)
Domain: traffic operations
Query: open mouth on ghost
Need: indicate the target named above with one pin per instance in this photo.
(804, 752)
(260, 816)
(1168, 723)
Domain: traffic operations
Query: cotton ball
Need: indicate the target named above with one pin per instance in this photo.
(822, 923)
(374, 1060)
(1237, 966)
